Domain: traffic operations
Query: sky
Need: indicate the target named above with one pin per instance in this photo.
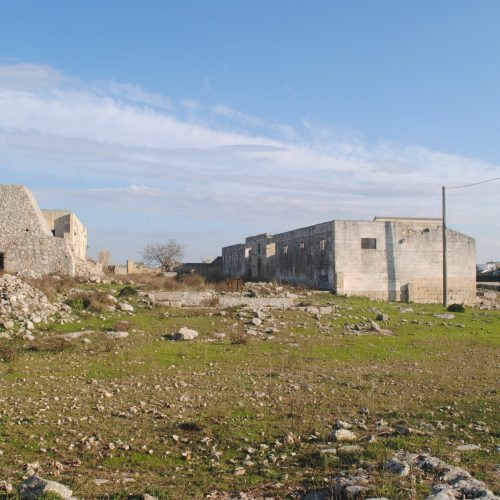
(207, 122)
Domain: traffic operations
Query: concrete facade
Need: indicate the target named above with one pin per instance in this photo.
(396, 259)
(29, 244)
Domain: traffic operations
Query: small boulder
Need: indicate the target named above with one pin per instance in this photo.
(185, 334)
(35, 487)
(116, 335)
(343, 435)
(124, 307)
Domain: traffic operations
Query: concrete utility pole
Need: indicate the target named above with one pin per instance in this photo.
(445, 262)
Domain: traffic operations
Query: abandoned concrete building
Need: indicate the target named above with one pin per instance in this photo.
(43, 242)
(389, 258)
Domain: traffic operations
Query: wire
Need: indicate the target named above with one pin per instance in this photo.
(473, 184)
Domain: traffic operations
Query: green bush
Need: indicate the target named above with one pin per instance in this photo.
(127, 291)
(78, 304)
(456, 308)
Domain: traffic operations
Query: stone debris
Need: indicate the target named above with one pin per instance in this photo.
(117, 335)
(184, 334)
(35, 487)
(343, 435)
(444, 316)
(365, 328)
(124, 307)
(24, 306)
(454, 482)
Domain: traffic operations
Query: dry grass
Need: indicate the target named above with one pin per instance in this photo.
(52, 285)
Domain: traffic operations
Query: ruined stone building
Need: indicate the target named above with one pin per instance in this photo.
(44, 242)
(388, 258)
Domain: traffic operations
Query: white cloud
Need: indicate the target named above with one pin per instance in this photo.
(119, 146)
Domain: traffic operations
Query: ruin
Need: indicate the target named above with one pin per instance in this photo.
(389, 258)
(36, 241)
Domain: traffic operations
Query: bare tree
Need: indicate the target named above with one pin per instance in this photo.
(104, 258)
(206, 259)
(166, 255)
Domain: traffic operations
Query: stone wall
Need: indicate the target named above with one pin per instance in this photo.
(26, 241)
(65, 224)
(235, 261)
(306, 256)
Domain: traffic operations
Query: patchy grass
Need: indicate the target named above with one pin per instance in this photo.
(177, 419)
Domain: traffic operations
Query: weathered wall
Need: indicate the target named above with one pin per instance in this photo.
(26, 240)
(260, 257)
(235, 261)
(306, 256)
(65, 224)
(406, 263)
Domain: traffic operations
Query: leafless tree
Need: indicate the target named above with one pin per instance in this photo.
(206, 259)
(166, 255)
(104, 258)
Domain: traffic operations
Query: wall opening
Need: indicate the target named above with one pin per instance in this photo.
(369, 243)
(2, 262)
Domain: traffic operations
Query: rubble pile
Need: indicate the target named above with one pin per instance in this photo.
(23, 306)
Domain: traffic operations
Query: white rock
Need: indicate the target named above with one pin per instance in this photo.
(344, 435)
(117, 335)
(123, 306)
(35, 486)
(185, 334)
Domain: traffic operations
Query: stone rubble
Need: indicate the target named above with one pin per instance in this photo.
(24, 306)
(34, 487)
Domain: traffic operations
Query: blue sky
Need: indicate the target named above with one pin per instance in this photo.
(209, 121)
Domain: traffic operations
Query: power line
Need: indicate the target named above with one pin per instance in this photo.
(474, 183)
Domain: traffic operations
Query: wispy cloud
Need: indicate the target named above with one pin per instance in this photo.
(117, 145)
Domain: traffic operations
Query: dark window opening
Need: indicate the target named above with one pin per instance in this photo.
(369, 243)
(258, 248)
(2, 262)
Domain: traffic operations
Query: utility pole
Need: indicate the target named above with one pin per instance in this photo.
(445, 262)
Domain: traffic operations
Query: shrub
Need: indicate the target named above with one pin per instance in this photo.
(127, 291)
(212, 301)
(8, 351)
(457, 308)
(78, 304)
(238, 338)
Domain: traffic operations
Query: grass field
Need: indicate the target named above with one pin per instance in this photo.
(117, 418)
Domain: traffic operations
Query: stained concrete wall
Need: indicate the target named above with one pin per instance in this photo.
(306, 256)
(406, 263)
(259, 259)
(26, 241)
(235, 261)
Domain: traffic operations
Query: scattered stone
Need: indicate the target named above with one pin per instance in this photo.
(185, 334)
(25, 306)
(444, 316)
(35, 486)
(116, 335)
(397, 466)
(382, 317)
(124, 307)
(344, 435)
(76, 335)
(219, 335)
(469, 447)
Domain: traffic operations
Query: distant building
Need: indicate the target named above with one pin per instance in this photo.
(51, 241)
(389, 258)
